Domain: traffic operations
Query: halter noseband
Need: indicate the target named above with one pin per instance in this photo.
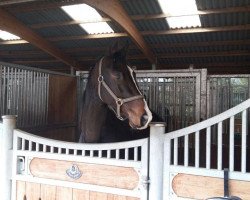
(119, 101)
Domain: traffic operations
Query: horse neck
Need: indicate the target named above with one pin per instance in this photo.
(94, 113)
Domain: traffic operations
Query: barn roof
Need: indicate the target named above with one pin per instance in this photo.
(56, 42)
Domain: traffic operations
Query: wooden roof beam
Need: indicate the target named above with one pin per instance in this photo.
(144, 33)
(168, 55)
(9, 23)
(52, 5)
(161, 45)
(114, 10)
(11, 2)
(146, 17)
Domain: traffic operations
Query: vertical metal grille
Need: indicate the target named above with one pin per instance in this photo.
(172, 98)
(24, 93)
(225, 92)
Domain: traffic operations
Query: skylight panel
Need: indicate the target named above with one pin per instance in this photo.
(181, 9)
(4, 35)
(83, 12)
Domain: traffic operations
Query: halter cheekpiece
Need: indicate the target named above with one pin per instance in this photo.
(119, 101)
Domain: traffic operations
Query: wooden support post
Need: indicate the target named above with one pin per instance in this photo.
(6, 140)
(157, 131)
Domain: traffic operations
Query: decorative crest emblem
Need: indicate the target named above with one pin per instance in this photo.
(74, 172)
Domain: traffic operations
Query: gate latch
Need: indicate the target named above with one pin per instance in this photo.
(145, 182)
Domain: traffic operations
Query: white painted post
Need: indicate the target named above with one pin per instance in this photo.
(156, 158)
(6, 146)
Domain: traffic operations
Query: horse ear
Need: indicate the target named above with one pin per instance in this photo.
(118, 47)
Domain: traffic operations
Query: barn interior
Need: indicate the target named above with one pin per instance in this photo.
(192, 63)
(162, 34)
(198, 50)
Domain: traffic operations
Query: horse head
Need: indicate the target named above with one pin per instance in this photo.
(117, 88)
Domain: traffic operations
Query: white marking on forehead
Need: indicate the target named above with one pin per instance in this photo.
(133, 78)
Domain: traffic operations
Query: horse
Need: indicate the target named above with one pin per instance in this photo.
(112, 85)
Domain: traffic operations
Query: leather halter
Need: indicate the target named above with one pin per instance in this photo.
(119, 101)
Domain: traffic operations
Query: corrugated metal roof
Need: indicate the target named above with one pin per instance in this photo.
(43, 16)
(165, 42)
(141, 7)
(211, 4)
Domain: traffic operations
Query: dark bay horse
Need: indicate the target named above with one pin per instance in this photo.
(112, 85)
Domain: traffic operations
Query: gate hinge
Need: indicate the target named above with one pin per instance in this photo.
(145, 181)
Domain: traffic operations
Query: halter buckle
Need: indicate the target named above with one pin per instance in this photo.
(100, 79)
(119, 102)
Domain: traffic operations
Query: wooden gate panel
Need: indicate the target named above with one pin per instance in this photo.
(48, 192)
(80, 194)
(203, 187)
(32, 191)
(105, 175)
(71, 167)
(63, 193)
(21, 190)
(36, 191)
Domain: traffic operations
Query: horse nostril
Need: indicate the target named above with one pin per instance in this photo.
(144, 119)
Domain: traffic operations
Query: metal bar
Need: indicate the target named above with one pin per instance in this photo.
(108, 153)
(1, 90)
(126, 154)
(219, 147)
(25, 91)
(39, 107)
(91, 154)
(15, 92)
(4, 91)
(7, 91)
(231, 144)
(99, 153)
(34, 69)
(67, 151)
(176, 151)
(186, 151)
(30, 145)
(208, 147)
(117, 154)
(47, 98)
(243, 141)
(32, 103)
(11, 91)
(136, 154)
(197, 149)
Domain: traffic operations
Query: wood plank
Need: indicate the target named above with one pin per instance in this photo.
(63, 193)
(119, 197)
(11, 2)
(21, 190)
(98, 196)
(80, 194)
(62, 99)
(145, 17)
(48, 192)
(103, 175)
(32, 191)
(203, 187)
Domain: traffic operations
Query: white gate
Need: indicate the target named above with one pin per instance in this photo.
(49, 169)
(45, 169)
(187, 178)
